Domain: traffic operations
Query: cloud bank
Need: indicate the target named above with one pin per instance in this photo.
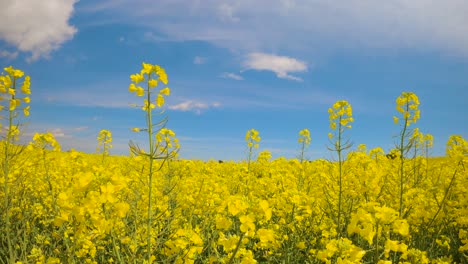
(271, 26)
(36, 27)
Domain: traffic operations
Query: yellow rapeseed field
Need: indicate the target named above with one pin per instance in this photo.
(366, 206)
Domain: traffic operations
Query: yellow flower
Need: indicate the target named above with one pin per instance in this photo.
(165, 91)
(162, 74)
(140, 91)
(26, 85)
(247, 224)
(26, 110)
(147, 68)
(401, 227)
(135, 129)
(223, 223)
(266, 209)
(132, 88)
(13, 104)
(407, 104)
(107, 193)
(301, 245)
(304, 136)
(152, 83)
(121, 209)
(266, 235)
(160, 100)
(236, 206)
(136, 78)
(13, 72)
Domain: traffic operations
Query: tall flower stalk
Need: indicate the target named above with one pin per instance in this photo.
(304, 142)
(11, 96)
(161, 141)
(253, 138)
(407, 105)
(341, 117)
(104, 143)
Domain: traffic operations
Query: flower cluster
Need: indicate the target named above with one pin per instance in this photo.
(252, 137)
(104, 141)
(153, 74)
(407, 104)
(341, 116)
(9, 86)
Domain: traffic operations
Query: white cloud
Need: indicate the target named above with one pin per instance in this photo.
(233, 76)
(226, 13)
(38, 27)
(8, 55)
(315, 26)
(152, 37)
(281, 65)
(58, 133)
(199, 60)
(101, 94)
(193, 106)
(81, 128)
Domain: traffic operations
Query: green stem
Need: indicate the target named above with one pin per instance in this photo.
(302, 150)
(6, 172)
(249, 158)
(237, 249)
(442, 204)
(149, 123)
(340, 174)
(402, 161)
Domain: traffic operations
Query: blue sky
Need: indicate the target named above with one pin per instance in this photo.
(275, 66)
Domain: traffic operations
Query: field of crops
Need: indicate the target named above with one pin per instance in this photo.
(365, 206)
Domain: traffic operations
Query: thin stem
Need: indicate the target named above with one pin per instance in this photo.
(6, 172)
(402, 161)
(149, 123)
(340, 174)
(237, 249)
(445, 195)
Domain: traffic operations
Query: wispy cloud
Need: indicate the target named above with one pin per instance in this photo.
(100, 94)
(59, 131)
(43, 27)
(251, 95)
(153, 37)
(281, 65)
(199, 60)
(8, 54)
(193, 106)
(226, 12)
(233, 76)
(81, 138)
(301, 24)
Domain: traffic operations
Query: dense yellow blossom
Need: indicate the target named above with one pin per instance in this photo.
(72, 207)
